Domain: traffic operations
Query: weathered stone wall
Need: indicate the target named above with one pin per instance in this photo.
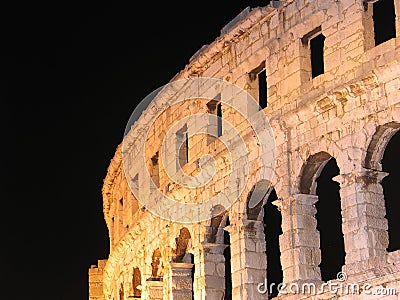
(96, 281)
(349, 112)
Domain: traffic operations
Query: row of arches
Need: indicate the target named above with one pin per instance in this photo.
(136, 286)
(319, 178)
(382, 156)
(179, 255)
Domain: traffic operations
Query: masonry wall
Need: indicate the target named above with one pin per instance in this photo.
(349, 113)
(96, 281)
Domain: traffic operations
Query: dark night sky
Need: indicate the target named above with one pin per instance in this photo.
(70, 76)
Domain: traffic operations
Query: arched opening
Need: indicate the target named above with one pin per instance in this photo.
(378, 143)
(311, 171)
(156, 269)
(218, 238)
(391, 164)
(260, 207)
(137, 283)
(182, 241)
(272, 230)
(121, 292)
(255, 199)
(227, 262)
(154, 172)
(183, 268)
(214, 234)
(329, 221)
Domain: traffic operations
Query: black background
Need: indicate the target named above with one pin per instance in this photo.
(70, 76)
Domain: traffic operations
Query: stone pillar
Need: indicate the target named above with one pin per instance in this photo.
(364, 222)
(182, 282)
(248, 260)
(155, 288)
(96, 281)
(299, 242)
(214, 271)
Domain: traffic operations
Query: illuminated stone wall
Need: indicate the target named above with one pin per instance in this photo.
(349, 112)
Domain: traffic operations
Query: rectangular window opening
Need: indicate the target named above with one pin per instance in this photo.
(219, 120)
(155, 171)
(317, 55)
(262, 89)
(182, 143)
(214, 107)
(135, 192)
(258, 85)
(384, 18)
(120, 214)
(187, 147)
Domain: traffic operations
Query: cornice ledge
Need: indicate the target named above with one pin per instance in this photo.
(328, 100)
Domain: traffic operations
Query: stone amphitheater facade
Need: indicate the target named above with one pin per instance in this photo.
(345, 108)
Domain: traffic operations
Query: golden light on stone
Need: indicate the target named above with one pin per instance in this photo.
(348, 110)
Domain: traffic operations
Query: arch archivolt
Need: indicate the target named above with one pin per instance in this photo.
(377, 143)
(257, 198)
(216, 224)
(309, 160)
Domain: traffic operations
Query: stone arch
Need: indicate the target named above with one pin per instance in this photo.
(311, 170)
(320, 198)
(272, 224)
(217, 255)
(329, 217)
(377, 145)
(391, 179)
(180, 253)
(215, 230)
(156, 265)
(382, 180)
(304, 157)
(253, 232)
(137, 283)
(256, 199)
(226, 240)
(182, 265)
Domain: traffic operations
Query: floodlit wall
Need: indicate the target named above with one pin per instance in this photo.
(332, 91)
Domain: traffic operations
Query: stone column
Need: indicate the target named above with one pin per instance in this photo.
(299, 242)
(248, 260)
(364, 222)
(182, 282)
(155, 288)
(214, 271)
